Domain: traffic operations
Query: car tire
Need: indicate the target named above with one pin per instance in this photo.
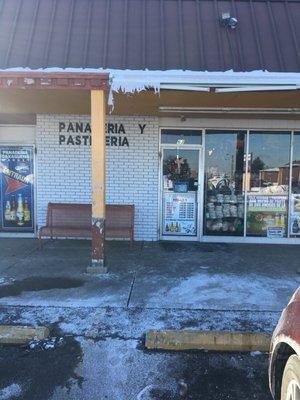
(290, 387)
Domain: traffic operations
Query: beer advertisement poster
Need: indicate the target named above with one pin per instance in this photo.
(267, 215)
(17, 195)
(295, 215)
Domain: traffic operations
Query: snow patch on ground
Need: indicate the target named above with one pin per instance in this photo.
(49, 344)
(255, 353)
(11, 391)
(6, 280)
(225, 291)
(144, 393)
(133, 323)
(58, 298)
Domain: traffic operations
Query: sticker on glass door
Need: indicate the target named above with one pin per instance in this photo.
(179, 197)
(180, 214)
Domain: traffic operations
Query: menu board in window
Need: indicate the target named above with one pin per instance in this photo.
(179, 214)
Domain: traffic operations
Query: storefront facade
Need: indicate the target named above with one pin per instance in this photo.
(194, 179)
(201, 105)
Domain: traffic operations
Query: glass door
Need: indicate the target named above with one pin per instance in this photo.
(180, 183)
(17, 189)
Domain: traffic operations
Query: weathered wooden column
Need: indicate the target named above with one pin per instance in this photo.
(98, 112)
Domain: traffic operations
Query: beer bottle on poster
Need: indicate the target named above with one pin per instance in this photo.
(26, 211)
(295, 227)
(282, 221)
(20, 211)
(13, 208)
(7, 214)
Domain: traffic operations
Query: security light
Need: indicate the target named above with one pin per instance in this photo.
(228, 21)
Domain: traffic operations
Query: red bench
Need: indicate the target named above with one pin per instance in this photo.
(66, 220)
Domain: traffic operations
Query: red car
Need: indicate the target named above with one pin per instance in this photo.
(284, 365)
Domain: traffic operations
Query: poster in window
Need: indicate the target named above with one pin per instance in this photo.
(17, 193)
(295, 215)
(267, 216)
(179, 214)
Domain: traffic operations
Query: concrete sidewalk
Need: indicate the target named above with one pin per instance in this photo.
(152, 275)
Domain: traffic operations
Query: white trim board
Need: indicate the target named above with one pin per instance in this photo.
(17, 235)
(249, 240)
(17, 134)
(219, 123)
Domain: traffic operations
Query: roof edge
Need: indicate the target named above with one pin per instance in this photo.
(53, 80)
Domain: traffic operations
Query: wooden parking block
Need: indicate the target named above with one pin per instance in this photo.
(10, 334)
(207, 340)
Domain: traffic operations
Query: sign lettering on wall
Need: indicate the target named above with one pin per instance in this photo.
(79, 134)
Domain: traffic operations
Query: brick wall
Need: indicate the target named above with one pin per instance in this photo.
(64, 171)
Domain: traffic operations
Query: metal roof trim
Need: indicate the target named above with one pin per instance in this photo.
(131, 81)
(53, 80)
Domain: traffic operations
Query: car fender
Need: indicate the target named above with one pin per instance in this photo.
(286, 338)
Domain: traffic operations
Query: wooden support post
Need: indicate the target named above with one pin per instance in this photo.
(98, 181)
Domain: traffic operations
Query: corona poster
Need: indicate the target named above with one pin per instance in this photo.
(17, 188)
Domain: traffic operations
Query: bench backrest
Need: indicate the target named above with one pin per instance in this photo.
(80, 215)
(120, 216)
(69, 215)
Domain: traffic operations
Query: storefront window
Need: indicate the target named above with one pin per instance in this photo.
(295, 189)
(268, 183)
(296, 164)
(181, 136)
(224, 183)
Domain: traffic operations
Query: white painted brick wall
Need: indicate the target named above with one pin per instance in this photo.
(64, 171)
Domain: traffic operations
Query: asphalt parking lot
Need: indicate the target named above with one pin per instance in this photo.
(102, 320)
(116, 369)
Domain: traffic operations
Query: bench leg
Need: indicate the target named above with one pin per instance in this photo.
(131, 239)
(40, 242)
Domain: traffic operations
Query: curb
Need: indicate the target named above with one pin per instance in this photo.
(19, 334)
(207, 340)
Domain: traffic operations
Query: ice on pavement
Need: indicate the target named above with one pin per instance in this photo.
(144, 393)
(12, 391)
(5, 280)
(255, 353)
(223, 291)
(49, 344)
